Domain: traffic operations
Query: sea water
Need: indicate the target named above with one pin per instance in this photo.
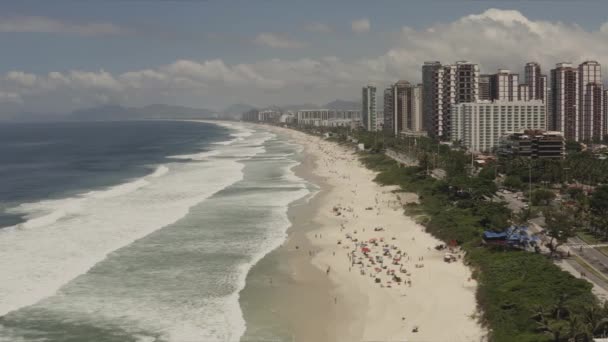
(136, 231)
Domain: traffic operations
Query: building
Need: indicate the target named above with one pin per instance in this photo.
(480, 125)
(288, 117)
(250, 115)
(523, 92)
(269, 115)
(380, 120)
(442, 87)
(564, 115)
(328, 118)
(591, 102)
(484, 87)
(533, 144)
(368, 110)
(388, 110)
(536, 81)
(431, 99)
(606, 111)
(504, 86)
(413, 116)
(405, 110)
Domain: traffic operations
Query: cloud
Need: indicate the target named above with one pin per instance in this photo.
(35, 24)
(318, 28)
(494, 39)
(361, 25)
(10, 97)
(274, 40)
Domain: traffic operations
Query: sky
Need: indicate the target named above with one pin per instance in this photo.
(58, 56)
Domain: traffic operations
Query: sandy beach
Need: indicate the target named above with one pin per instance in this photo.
(376, 274)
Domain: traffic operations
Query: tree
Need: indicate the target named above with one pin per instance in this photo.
(424, 162)
(542, 197)
(599, 209)
(559, 226)
(572, 147)
(513, 182)
(523, 216)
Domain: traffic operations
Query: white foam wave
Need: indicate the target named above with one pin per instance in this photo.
(196, 156)
(76, 233)
(34, 263)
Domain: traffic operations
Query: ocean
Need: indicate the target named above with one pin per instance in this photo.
(137, 231)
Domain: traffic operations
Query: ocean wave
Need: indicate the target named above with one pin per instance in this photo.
(64, 238)
(39, 261)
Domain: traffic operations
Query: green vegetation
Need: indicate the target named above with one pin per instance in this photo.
(519, 292)
(542, 197)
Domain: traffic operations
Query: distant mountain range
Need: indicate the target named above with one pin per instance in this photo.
(163, 111)
(335, 105)
(344, 105)
(156, 111)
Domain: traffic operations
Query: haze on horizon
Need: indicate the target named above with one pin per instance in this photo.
(210, 54)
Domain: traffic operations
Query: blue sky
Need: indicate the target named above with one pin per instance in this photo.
(252, 43)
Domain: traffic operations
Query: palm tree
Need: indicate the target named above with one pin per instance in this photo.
(578, 330)
(601, 328)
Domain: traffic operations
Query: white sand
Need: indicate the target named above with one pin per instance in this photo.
(441, 300)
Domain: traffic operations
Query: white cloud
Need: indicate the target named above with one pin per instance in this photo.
(361, 25)
(35, 24)
(10, 97)
(318, 28)
(494, 39)
(274, 40)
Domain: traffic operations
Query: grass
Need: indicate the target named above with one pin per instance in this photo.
(512, 284)
(589, 238)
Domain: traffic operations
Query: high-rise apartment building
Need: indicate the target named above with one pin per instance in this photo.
(444, 86)
(605, 110)
(523, 92)
(368, 110)
(591, 102)
(432, 98)
(564, 116)
(400, 105)
(484, 87)
(413, 119)
(388, 110)
(504, 86)
(405, 109)
(536, 81)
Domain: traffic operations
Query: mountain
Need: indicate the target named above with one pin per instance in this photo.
(234, 111)
(155, 111)
(300, 107)
(343, 105)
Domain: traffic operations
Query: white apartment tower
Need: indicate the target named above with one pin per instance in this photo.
(368, 112)
(591, 105)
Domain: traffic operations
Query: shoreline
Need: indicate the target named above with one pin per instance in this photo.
(295, 292)
(342, 304)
